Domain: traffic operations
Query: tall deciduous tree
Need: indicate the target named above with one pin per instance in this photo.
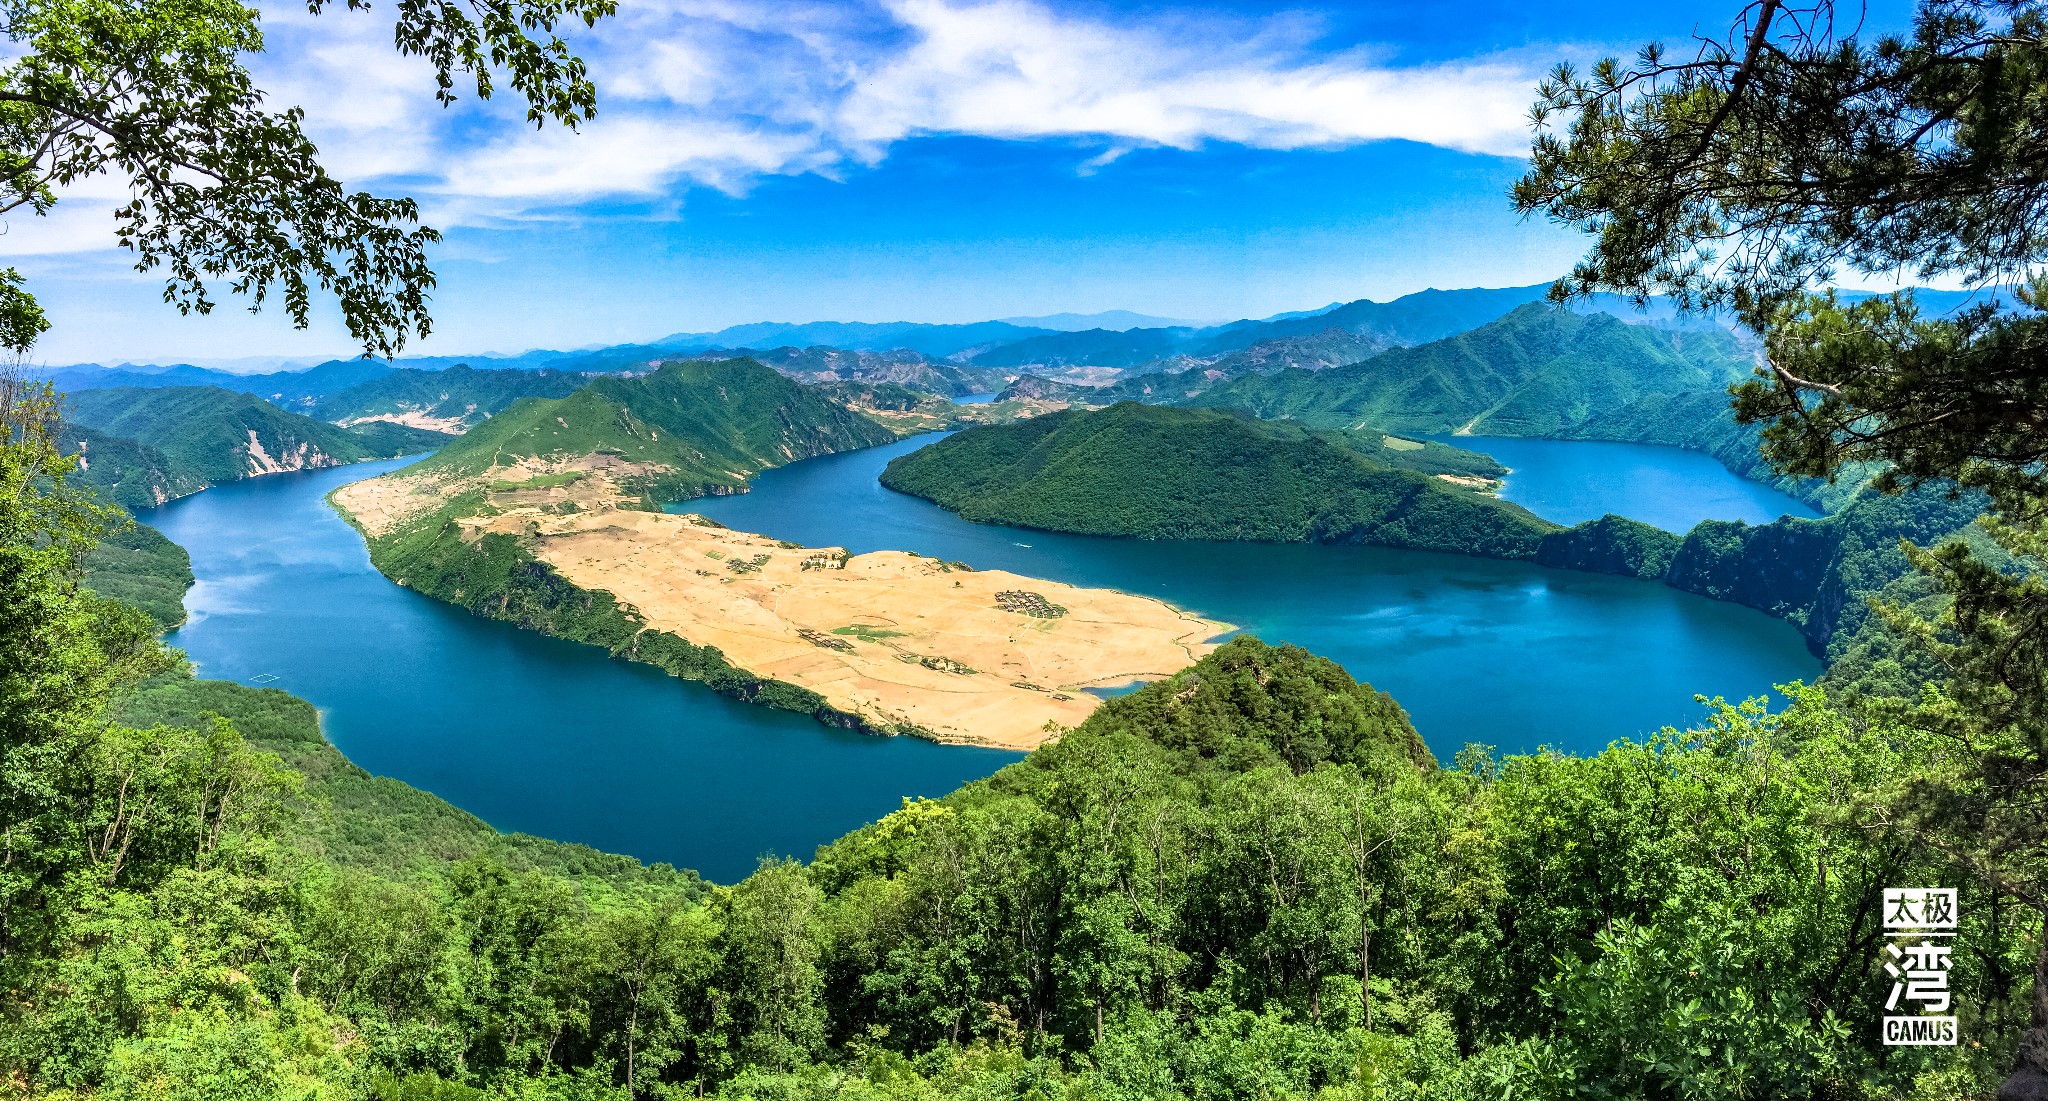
(1748, 172)
(225, 190)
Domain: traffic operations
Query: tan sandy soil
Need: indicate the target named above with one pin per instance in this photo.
(417, 418)
(1472, 481)
(380, 505)
(903, 422)
(1017, 409)
(934, 649)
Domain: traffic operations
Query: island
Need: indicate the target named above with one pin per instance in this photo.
(1154, 472)
(543, 517)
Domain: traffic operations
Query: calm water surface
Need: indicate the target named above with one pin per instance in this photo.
(553, 738)
(1505, 653)
(527, 732)
(1569, 482)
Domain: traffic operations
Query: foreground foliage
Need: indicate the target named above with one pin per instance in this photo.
(1250, 879)
(223, 190)
(1787, 155)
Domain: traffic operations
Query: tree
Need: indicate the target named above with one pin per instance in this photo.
(1763, 165)
(223, 189)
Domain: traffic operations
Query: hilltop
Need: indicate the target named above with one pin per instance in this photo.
(1159, 473)
(452, 400)
(141, 447)
(900, 366)
(1539, 371)
(681, 431)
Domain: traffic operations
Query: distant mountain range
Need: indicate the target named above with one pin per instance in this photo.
(1117, 339)
(1107, 319)
(1483, 360)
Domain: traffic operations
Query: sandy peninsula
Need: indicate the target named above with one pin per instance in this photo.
(977, 657)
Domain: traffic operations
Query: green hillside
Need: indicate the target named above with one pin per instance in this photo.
(1539, 371)
(464, 395)
(122, 471)
(1818, 574)
(384, 438)
(138, 565)
(352, 820)
(1158, 473)
(707, 425)
(192, 437)
(1247, 880)
(1611, 544)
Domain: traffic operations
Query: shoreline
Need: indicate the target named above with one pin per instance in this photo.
(890, 641)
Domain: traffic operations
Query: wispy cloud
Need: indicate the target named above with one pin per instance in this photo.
(722, 93)
(1018, 70)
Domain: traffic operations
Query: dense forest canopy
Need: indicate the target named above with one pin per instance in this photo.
(1246, 880)
(1159, 473)
(1792, 152)
(1249, 879)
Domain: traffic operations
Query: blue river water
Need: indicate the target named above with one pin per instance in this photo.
(553, 738)
(527, 732)
(1568, 482)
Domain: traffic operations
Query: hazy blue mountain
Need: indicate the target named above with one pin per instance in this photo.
(1292, 314)
(900, 366)
(286, 389)
(1088, 348)
(1411, 319)
(860, 336)
(1116, 320)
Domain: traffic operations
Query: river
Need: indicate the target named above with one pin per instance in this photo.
(553, 738)
(1570, 481)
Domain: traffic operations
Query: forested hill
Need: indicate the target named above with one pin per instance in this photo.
(452, 400)
(701, 426)
(1539, 371)
(901, 367)
(137, 565)
(141, 447)
(1159, 473)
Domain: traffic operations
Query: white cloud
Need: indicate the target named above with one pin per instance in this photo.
(721, 93)
(1017, 70)
(82, 221)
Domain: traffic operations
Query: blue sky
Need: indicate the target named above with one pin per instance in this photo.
(929, 160)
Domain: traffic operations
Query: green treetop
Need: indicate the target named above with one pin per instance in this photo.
(1794, 151)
